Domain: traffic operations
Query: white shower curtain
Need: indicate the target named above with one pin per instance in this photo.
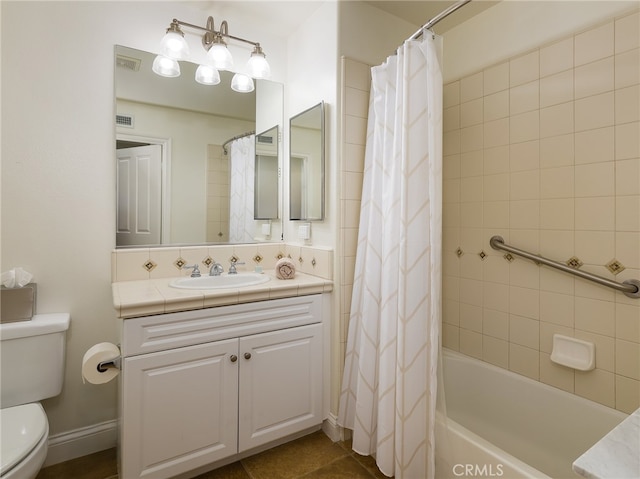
(388, 393)
(242, 160)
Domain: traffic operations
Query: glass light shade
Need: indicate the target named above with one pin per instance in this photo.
(173, 45)
(166, 67)
(258, 67)
(220, 57)
(242, 83)
(207, 75)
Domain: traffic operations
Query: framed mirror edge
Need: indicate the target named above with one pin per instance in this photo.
(321, 108)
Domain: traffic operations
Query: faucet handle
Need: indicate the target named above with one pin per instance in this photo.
(232, 267)
(216, 269)
(196, 270)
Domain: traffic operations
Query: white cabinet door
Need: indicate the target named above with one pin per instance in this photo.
(280, 384)
(180, 408)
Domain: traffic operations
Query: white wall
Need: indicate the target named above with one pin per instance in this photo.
(58, 172)
(312, 58)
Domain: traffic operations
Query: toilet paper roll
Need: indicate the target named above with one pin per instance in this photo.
(94, 356)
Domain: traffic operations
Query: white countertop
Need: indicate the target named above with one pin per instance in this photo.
(155, 296)
(616, 455)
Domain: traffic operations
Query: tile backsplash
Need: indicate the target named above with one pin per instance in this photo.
(544, 150)
(152, 263)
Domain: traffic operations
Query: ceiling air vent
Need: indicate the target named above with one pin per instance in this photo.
(124, 120)
(267, 140)
(128, 63)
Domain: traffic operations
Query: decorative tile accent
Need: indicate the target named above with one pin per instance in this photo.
(208, 261)
(149, 265)
(234, 259)
(508, 257)
(482, 255)
(280, 255)
(574, 262)
(459, 253)
(300, 260)
(179, 263)
(313, 262)
(615, 266)
(257, 258)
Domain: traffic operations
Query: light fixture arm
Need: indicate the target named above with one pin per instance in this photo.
(211, 33)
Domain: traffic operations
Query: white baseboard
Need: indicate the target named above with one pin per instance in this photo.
(81, 442)
(331, 428)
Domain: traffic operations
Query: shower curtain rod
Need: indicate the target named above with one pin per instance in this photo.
(237, 137)
(438, 17)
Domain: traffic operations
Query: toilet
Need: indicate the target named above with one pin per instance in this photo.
(31, 369)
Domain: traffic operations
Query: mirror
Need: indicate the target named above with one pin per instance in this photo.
(266, 175)
(306, 165)
(173, 175)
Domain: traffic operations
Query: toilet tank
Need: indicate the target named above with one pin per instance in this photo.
(32, 358)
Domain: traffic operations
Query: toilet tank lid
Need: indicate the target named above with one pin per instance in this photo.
(38, 325)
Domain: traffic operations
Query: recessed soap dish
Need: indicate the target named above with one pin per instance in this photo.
(573, 353)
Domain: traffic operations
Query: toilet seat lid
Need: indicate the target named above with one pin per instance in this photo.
(22, 429)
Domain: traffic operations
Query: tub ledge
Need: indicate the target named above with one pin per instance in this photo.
(616, 455)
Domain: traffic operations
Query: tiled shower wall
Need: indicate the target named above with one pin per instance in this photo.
(217, 194)
(544, 150)
(356, 83)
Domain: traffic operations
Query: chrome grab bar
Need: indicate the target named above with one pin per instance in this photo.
(630, 287)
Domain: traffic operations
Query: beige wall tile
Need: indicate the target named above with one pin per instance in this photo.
(524, 127)
(471, 112)
(627, 249)
(496, 160)
(496, 106)
(524, 361)
(451, 166)
(356, 102)
(594, 78)
(451, 94)
(628, 359)
(451, 118)
(557, 151)
(595, 146)
(627, 68)
(471, 163)
(557, 214)
(628, 141)
(557, 182)
(451, 337)
(627, 104)
(471, 343)
(471, 317)
(555, 375)
(594, 247)
(557, 244)
(627, 32)
(524, 97)
(524, 69)
(594, 44)
(628, 177)
(496, 187)
(595, 214)
(524, 331)
(589, 289)
(495, 351)
(547, 330)
(471, 189)
(471, 291)
(495, 214)
(524, 156)
(451, 312)
(556, 89)
(525, 185)
(524, 302)
(471, 87)
(557, 57)
(496, 78)
(471, 138)
(604, 347)
(556, 120)
(358, 75)
(557, 308)
(595, 316)
(496, 133)
(595, 179)
(594, 112)
(597, 385)
(495, 324)
(627, 394)
(496, 296)
(628, 213)
(355, 130)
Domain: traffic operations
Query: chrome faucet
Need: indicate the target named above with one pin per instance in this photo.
(216, 269)
(232, 267)
(196, 271)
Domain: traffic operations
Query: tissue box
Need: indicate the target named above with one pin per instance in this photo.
(18, 304)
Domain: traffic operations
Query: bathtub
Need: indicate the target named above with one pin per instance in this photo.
(501, 424)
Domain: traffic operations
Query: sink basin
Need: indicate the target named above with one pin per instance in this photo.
(223, 281)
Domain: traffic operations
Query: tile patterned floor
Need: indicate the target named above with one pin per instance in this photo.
(310, 457)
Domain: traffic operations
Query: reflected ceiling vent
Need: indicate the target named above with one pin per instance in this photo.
(124, 120)
(267, 140)
(128, 63)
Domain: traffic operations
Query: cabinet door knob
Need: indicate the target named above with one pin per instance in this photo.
(247, 355)
(233, 358)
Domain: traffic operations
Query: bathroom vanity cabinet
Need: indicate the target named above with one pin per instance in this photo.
(201, 386)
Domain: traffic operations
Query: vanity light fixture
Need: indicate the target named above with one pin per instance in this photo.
(174, 47)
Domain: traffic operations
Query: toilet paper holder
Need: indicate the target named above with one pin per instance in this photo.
(104, 366)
